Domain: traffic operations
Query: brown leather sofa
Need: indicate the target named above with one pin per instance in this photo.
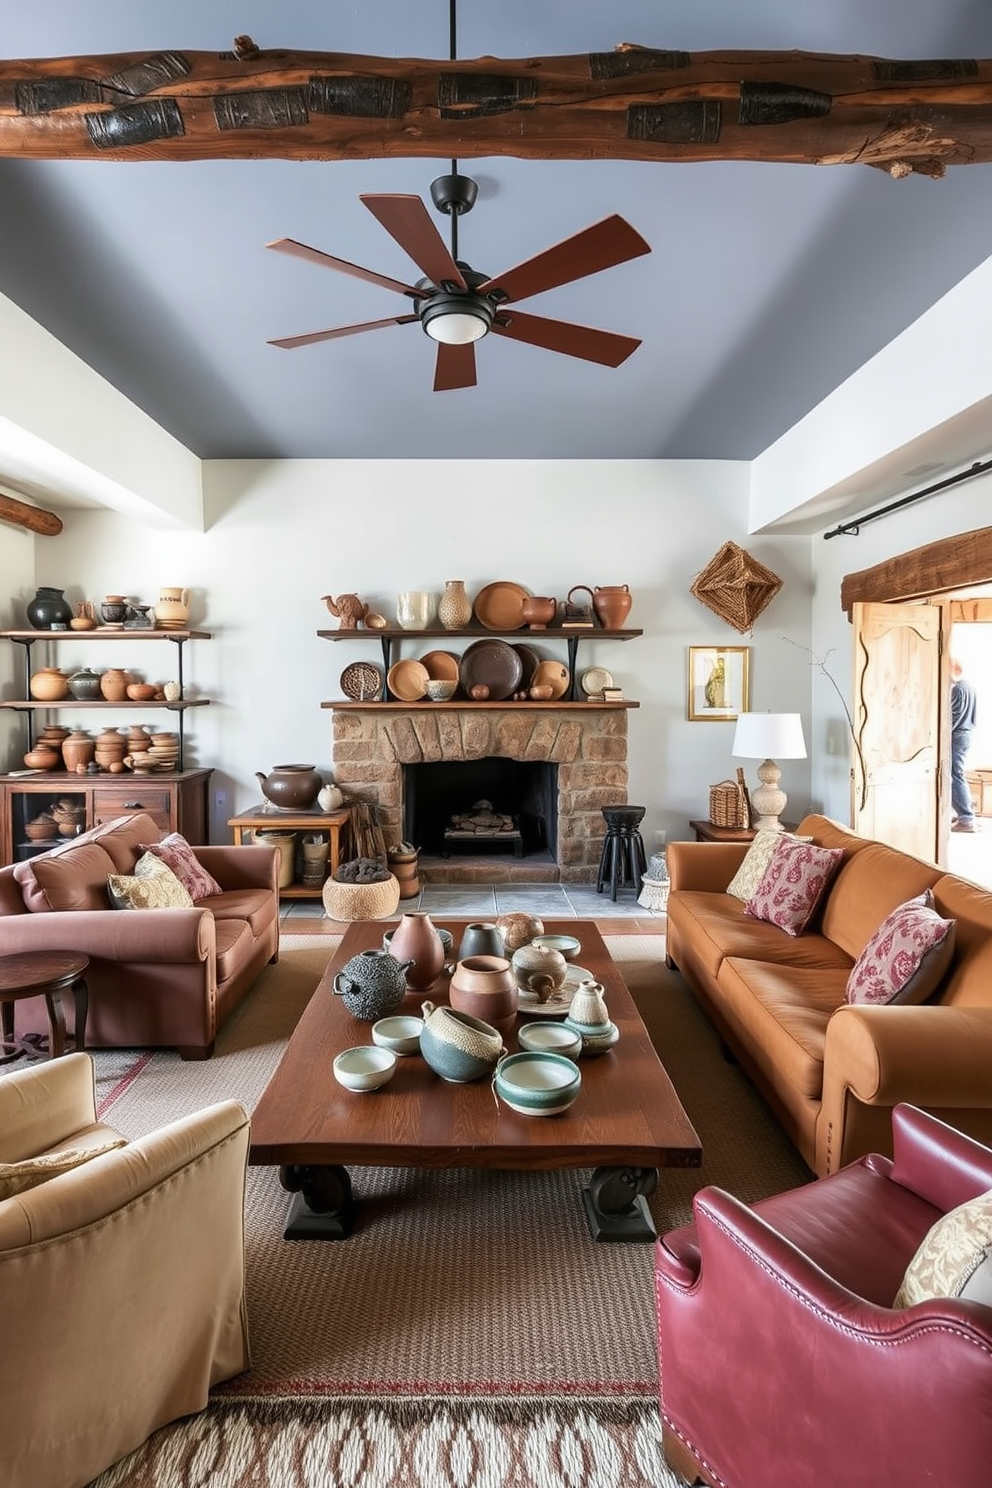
(156, 976)
(832, 1073)
(782, 1359)
(122, 1281)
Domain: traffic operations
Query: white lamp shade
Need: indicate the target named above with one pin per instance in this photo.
(769, 736)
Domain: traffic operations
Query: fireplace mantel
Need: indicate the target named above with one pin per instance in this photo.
(465, 705)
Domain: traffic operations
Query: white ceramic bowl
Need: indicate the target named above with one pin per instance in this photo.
(567, 945)
(537, 1084)
(364, 1067)
(550, 1038)
(401, 1034)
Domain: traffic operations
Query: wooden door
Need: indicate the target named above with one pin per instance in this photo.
(899, 796)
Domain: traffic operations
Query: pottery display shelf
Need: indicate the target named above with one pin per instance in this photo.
(388, 638)
(268, 818)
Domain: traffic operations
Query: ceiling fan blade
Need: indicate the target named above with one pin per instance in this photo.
(289, 342)
(455, 367)
(612, 241)
(605, 347)
(406, 219)
(314, 255)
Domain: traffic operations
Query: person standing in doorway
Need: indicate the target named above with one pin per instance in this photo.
(963, 715)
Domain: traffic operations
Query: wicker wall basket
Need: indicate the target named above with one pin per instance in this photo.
(735, 586)
(368, 901)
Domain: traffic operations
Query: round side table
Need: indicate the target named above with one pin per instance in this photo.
(43, 974)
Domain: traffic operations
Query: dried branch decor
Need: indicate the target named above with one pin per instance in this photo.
(735, 586)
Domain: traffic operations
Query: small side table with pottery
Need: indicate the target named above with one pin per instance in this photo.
(269, 818)
(707, 831)
(43, 974)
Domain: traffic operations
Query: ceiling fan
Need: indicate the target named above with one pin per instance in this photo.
(457, 306)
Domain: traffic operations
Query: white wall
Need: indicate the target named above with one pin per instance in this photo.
(280, 535)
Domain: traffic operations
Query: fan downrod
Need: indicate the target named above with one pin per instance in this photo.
(454, 194)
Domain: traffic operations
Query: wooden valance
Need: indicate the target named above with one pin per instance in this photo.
(937, 568)
(634, 103)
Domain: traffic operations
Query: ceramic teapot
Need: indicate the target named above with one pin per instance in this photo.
(291, 787)
(372, 984)
(539, 970)
(348, 609)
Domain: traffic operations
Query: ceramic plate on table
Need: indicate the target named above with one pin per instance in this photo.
(500, 606)
(594, 679)
(362, 681)
(441, 666)
(407, 680)
(531, 661)
(553, 674)
(493, 663)
(560, 1000)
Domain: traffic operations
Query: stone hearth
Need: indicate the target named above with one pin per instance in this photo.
(587, 743)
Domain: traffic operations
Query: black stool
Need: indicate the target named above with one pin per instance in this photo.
(623, 861)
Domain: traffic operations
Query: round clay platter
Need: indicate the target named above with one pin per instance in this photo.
(554, 674)
(499, 606)
(594, 679)
(494, 663)
(362, 681)
(531, 660)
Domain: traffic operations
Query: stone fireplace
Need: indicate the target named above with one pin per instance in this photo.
(585, 742)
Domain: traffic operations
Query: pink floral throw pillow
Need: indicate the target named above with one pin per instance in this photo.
(906, 958)
(793, 884)
(177, 854)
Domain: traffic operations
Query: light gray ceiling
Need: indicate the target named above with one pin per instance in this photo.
(767, 284)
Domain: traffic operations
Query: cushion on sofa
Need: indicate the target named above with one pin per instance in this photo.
(907, 957)
(749, 875)
(714, 926)
(954, 1258)
(176, 852)
(869, 885)
(793, 884)
(73, 879)
(16, 1178)
(152, 885)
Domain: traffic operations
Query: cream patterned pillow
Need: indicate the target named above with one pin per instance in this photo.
(17, 1178)
(749, 875)
(954, 1258)
(152, 885)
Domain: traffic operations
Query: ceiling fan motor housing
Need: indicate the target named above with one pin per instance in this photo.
(454, 193)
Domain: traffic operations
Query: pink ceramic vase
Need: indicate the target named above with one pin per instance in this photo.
(416, 940)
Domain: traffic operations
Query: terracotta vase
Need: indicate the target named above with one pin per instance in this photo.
(78, 749)
(416, 940)
(454, 610)
(49, 685)
(612, 604)
(113, 684)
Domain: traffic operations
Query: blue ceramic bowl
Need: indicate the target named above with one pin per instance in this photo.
(537, 1084)
(444, 1054)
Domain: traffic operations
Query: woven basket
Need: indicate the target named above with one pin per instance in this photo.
(728, 808)
(735, 586)
(368, 901)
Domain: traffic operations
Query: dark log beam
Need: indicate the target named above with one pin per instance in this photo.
(634, 103)
(937, 568)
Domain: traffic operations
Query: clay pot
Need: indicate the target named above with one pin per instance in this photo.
(612, 604)
(539, 611)
(372, 984)
(454, 610)
(518, 929)
(140, 692)
(113, 609)
(541, 693)
(172, 610)
(42, 829)
(49, 607)
(416, 940)
(78, 750)
(538, 970)
(85, 684)
(113, 684)
(43, 756)
(49, 685)
(484, 987)
(291, 787)
(457, 1046)
(479, 692)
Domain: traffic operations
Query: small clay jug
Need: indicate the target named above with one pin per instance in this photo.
(113, 684)
(588, 1006)
(415, 939)
(172, 610)
(612, 604)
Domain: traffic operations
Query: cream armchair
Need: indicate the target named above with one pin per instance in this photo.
(121, 1281)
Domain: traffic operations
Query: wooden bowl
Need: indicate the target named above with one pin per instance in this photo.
(140, 692)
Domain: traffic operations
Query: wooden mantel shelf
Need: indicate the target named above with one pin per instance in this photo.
(465, 705)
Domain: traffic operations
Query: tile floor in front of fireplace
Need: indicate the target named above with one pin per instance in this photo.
(484, 901)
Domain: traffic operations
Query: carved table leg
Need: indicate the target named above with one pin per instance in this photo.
(324, 1206)
(615, 1204)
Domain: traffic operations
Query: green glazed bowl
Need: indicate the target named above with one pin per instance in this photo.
(537, 1084)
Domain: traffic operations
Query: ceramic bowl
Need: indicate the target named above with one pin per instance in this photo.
(566, 945)
(537, 1084)
(400, 1034)
(440, 691)
(550, 1038)
(364, 1067)
(140, 692)
(458, 1047)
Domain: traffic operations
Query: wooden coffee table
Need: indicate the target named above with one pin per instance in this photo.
(626, 1123)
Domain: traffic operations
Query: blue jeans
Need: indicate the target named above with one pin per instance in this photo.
(960, 794)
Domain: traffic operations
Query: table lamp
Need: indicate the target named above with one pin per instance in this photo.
(760, 736)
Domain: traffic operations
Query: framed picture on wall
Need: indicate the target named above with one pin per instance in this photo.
(718, 686)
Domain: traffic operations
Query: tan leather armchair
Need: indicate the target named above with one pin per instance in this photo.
(121, 1281)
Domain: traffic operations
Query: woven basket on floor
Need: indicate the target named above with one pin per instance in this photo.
(355, 901)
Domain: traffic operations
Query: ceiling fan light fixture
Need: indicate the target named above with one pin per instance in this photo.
(456, 319)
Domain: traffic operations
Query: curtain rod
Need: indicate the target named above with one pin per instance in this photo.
(851, 529)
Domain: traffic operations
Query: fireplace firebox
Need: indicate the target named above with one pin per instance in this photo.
(481, 805)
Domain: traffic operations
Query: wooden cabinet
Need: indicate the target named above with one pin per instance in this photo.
(177, 800)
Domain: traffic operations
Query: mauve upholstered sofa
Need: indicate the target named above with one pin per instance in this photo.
(157, 977)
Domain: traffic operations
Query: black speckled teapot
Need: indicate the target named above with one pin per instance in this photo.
(372, 984)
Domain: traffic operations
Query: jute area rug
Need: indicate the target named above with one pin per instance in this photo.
(470, 1334)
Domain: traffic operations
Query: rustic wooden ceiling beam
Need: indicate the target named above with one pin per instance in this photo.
(33, 518)
(634, 103)
(936, 568)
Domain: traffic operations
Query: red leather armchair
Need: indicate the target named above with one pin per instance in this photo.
(781, 1358)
